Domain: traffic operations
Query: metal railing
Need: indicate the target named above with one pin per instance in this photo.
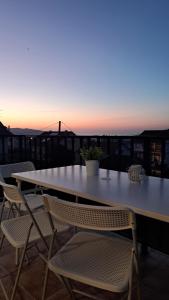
(119, 151)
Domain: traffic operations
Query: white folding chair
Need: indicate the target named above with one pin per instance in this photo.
(35, 202)
(23, 230)
(32, 195)
(98, 260)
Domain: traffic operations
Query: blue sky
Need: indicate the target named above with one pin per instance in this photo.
(99, 66)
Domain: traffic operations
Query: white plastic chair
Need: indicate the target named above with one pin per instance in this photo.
(5, 174)
(102, 261)
(23, 230)
(31, 195)
(7, 169)
(31, 203)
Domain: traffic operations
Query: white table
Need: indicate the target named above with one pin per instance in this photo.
(148, 198)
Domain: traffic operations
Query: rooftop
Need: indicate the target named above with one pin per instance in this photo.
(4, 131)
(155, 133)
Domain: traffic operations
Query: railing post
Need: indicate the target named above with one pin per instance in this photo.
(147, 157)
(162, 157)
(132, 150)
(119, 152)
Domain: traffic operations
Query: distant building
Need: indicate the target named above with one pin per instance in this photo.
(55, 133)
(4, 136)
(155, 133)
(156, 149)
(4, 131)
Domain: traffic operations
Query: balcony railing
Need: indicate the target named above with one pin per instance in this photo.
(119, 151)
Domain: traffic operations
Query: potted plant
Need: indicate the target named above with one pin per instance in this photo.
(91, 156)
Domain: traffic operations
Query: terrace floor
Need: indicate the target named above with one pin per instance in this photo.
(154, 276)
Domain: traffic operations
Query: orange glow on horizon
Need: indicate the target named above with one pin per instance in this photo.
(83, 121)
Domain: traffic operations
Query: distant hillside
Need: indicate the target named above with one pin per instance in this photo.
(25, 131)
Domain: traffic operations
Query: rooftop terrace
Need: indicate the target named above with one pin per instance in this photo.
(154, 267)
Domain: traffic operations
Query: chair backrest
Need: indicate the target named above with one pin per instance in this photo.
(7, 169)
(102, 218)
(12, 193)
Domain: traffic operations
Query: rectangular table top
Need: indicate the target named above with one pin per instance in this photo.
(150, 197)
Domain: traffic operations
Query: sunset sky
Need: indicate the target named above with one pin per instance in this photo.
(100, 66)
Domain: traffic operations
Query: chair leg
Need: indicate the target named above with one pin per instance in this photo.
(129, 294)
(8, 216)
(10, 210)
(20, 264)
(3, 290)
(45, 282)
(2, 240)
(2, 208)
(16, 257)
(137, 268)
(17, 253)
(47, 269)
(68, 286)
(131, 278)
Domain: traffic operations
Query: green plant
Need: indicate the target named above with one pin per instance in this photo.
(91, 153)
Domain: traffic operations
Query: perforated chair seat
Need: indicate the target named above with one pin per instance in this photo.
(95, 259)
(34, 201)
(16, 229)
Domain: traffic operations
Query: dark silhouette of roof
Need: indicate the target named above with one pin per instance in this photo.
(55, 133)
(4, 131)
(155, 133)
